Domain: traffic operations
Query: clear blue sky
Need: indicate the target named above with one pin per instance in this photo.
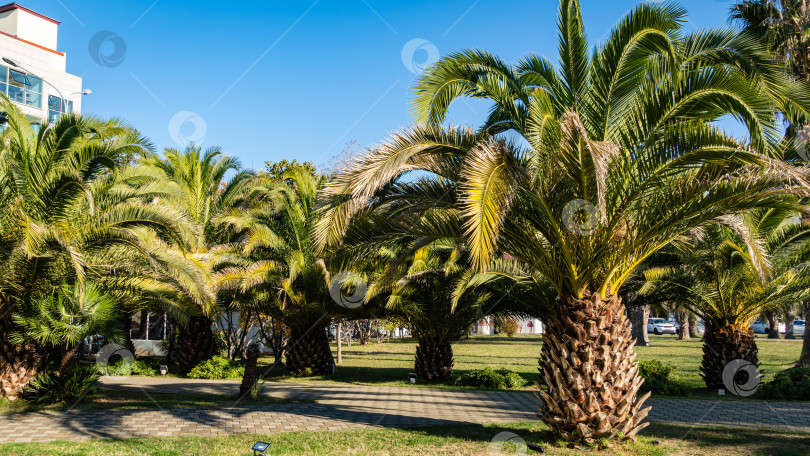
(294, 79)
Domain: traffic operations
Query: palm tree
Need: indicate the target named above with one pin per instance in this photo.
(438, 297)
(729, 278)
(621, 159)
(196, 183)
(279, 269)
(66, 218)
(62, 319)
(783, 24)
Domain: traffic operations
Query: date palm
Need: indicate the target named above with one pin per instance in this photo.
(730, 274)
(277, 266)
(620, 157)
(783, 25)
(196, 183)
(65, 217)
(438, 297)
(62, 319)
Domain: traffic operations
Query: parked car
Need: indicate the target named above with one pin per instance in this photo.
(798, 327)
(760, 327)
(660, 326)
(700, 327)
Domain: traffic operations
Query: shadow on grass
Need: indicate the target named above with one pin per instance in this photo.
(661, 439)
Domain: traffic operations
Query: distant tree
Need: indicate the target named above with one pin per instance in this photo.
(278, 169)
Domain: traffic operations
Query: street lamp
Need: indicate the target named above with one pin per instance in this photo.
(16, 64)
(83, 92)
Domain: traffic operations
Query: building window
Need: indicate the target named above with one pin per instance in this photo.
(20, 87)
(55, 110)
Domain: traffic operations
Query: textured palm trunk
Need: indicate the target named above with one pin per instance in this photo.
(693, 326)
(639, 316)
(195, 343)
(683, 320)
(804, 358)
(67, 361)
(18, 363)
(434, 358)
(249, 378)
(309, 352)
(589, 366)
(720, 346)
(126, 325)
(773, 325)
(790, 317)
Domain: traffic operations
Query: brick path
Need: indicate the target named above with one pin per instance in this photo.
(349, 406)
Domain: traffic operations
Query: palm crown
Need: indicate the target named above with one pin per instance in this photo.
(616, 155)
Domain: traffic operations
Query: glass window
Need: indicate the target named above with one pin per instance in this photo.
(54, 108)
(3, 73)
(24, 88)
(18, 78)
(53, 103)
(33, 99)
(33, 93)
(16, 94)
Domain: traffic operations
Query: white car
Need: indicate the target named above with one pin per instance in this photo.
(660, 326)
(798, 327)
(760, 327)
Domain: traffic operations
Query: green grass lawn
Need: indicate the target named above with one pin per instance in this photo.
(656, 440)
(389, 364)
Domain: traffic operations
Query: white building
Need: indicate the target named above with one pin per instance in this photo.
(486, 326)
(28, 39)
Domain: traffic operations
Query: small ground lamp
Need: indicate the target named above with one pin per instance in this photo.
(164, 369)
(412, 378)
(260, 448)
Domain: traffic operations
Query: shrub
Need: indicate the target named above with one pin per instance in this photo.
(146, 367)
(488, 378)
(790, 384)
(659, 379)
(50, 388)
(218, 368)
(510, 327)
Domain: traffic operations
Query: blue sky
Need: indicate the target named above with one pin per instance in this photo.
(267, 80)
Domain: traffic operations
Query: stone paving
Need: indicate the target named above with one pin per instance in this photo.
(340, 407)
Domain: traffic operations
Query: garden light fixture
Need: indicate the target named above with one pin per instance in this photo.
(260, 448)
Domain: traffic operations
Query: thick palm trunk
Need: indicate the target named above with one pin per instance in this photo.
(773, 323)
(790, 317)
(18, 363)
(589, 366)
(683, 320)
(804, 358)
(195, 343)
(693, 326)
(720, 346)
(126, 325)
(308, 352)
(639, 316)
(434, 358)
(249, 378)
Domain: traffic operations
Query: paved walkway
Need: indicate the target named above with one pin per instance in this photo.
(349, 406)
